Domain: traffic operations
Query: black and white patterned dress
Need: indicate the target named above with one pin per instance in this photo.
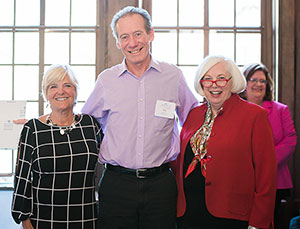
(54, 180)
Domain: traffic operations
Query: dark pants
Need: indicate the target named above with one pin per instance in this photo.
(126, 201)
(218, 223)
(282, 196)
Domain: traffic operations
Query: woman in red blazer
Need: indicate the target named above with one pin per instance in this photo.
(226, 170)
(260, 91)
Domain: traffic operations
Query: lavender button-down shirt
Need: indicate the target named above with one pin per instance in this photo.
(124, 105)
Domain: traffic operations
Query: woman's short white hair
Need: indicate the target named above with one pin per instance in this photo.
(238, 81)
(55, 73)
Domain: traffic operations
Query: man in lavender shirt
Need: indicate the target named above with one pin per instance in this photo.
(135, 103)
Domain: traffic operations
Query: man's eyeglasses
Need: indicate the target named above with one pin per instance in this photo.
(252, 80)
(218, 82)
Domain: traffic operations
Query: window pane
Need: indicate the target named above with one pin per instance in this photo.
(86, 80)
(78, 107)
(15, 153)
(27, 48)
(6, 83)
(190, 46)
(83, 48)
(6, 48)
(57, 12)
(56, 48)
(6, 161)
(248, 13)
(221, 43)
(28, 12)
(164, 46)
(26, 82)
(221, 13)
(6, 12)
(47, 109)
(32, 110)
(248, 46)
(191, 16)
(86, 8)
(164, 13)
(189, 73)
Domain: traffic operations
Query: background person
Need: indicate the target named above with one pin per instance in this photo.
(226, 170)
(135, 103)
(54, 179)
(260, 91)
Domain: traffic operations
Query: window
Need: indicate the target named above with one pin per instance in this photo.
(35, 34)
(189, 30)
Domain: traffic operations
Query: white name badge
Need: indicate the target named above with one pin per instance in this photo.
(164, 109)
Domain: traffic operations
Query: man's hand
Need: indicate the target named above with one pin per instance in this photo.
(26, 224)
(20, 121)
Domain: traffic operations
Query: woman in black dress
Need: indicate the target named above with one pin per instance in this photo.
(54, 180)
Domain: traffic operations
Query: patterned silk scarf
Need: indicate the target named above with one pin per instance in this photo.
(199, 142)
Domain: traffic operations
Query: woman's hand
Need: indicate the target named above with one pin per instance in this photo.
(26, 224)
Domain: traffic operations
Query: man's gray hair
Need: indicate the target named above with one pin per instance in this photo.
(129, 10)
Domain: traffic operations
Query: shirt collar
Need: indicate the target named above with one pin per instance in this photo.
(154, 64)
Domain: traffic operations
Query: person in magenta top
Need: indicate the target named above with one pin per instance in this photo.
(259, 90)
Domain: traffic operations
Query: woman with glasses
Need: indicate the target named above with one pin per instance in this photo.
(260, 91)
(226, 170)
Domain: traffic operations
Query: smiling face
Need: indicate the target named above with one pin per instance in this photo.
(62, 95)
(217, 95)
(256, 91)
(134, 41)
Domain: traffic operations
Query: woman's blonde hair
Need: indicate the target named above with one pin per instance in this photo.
(55, 73)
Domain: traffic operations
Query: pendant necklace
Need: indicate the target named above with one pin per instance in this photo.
(62, 130)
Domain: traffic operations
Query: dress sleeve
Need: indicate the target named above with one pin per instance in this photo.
(22, 197)
(265, 168)
(98, 133)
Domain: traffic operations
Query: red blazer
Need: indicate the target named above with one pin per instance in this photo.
(241, 174)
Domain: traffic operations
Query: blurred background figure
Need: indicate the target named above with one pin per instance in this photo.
(259, 90)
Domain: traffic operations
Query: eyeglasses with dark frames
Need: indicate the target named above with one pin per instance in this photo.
(253, 80)
(218, 82)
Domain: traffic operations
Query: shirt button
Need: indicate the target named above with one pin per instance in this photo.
(209, 157)
(141, 100)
